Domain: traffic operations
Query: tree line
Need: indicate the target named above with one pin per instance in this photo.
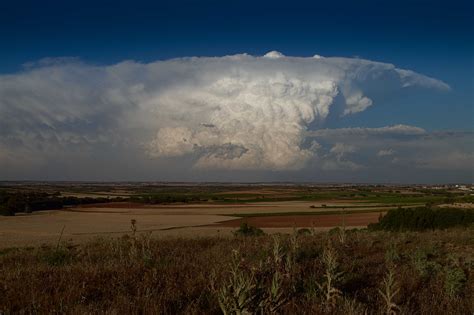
(15, 202)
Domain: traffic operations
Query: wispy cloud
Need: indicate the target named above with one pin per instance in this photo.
(386, 152)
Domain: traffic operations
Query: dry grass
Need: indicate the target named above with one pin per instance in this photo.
(139, 274)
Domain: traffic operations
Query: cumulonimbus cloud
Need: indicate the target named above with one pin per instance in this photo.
(231, 112)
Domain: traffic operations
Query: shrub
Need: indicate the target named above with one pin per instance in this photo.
(6, 211)
(423, 265)
(454, 281)
(248, 230)
(57, 257)
(304, 232)
(423, 218)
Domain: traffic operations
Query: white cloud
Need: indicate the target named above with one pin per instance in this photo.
(385, 152)
(342, 148)
(231, 112)
(356, 103)
(338, 158)
(273, 54)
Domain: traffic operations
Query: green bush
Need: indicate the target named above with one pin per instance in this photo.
(422, 263)
(248, 230)
(57, 257)
(454, 281)
(304, 231)
(6, 211)
(423, 218)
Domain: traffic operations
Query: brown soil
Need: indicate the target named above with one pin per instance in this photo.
(330, 220)
(124, 205)
(136, 205)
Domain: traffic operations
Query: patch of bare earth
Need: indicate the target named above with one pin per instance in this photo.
(115, 205)
(356, 219)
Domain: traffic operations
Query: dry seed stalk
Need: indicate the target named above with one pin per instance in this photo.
(331, 277)
(390, 290)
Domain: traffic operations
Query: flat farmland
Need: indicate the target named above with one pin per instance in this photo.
(84, 210)
(114, 219)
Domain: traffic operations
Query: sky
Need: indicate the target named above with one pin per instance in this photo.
(346, 91)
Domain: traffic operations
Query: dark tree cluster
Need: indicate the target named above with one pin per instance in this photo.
(169, 198)
(424, 218)
(14, 202)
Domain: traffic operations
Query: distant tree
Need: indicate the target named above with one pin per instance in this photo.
(5, 211)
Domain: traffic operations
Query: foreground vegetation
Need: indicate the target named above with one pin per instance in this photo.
(341, 272)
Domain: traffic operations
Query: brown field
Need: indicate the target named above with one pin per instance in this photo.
(85, 222)
(330, 220)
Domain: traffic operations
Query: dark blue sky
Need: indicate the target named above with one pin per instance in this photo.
(431, 37)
